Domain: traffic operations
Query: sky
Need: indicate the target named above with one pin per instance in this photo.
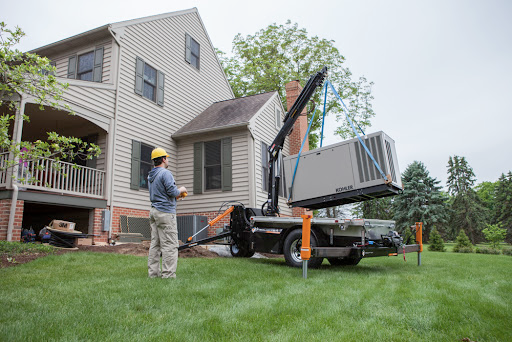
(442, 69)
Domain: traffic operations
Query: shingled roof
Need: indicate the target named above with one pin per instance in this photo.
(224, 114)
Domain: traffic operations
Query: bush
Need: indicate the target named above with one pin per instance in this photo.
(494, 234)
(507, 251)
(487, 250)
(462, 243)
(463, 249)
(436, 241)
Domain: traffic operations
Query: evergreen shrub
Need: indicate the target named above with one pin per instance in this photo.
(462, 243)
(436, 242)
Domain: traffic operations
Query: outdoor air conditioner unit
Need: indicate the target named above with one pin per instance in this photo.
(190, 225)
(343, 173)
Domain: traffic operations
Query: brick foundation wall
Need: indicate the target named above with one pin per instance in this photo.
(116, 223)
(5, 210)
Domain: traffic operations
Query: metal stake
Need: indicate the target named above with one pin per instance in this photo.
(305, 269)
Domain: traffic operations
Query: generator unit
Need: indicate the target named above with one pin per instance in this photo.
(343, 173)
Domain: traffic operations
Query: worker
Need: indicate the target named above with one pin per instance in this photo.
(163, 193)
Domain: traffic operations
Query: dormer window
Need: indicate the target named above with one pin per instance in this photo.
(87, 66)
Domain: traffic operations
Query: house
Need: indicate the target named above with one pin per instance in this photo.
(136, 85)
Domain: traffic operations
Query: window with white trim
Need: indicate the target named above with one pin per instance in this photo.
(212, 165)
(192, 51)
(277, 113)
(149, 82)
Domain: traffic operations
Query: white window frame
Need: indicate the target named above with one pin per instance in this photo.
(278, 117)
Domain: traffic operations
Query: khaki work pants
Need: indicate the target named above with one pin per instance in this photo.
(164, 239)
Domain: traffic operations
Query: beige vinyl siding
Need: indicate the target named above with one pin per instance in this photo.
(101, 162)
(212, 200)
(99, 102)
(63, 60)
(188, 91)
(264, 130)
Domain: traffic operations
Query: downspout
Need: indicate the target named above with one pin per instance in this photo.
(14, 199)
(111, 148)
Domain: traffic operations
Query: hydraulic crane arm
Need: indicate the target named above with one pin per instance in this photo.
(275, 148)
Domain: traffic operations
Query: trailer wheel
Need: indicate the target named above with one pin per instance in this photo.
(291, 250)
(237, 251)
(344, 261)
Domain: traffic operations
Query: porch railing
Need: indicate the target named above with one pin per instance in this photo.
(3, 174)
(56, 176)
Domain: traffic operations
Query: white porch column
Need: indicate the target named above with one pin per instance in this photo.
(16, 137)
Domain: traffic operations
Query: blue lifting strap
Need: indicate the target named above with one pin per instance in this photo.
(355, 131)
(300, 151)
(327, 82)
(323, 117)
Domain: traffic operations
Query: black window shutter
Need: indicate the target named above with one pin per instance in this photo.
(135, 175)
(227, 168)
(72, 67)
(160, 89)
(139, 75)
(187, 48)
(198, 168)
(98, 64)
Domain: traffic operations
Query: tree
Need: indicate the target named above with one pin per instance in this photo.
(503, 203)
(462, 243)
(333, 212)
(436, 241)
(27, 74)
(486, 192)
(467, 211)
(495, 235)
(278, 54)
(378, 208)
(421, 200)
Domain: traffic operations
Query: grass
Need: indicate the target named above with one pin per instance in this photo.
(15, 248)
(108, 297)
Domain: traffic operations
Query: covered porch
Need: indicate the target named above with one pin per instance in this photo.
(78, 177)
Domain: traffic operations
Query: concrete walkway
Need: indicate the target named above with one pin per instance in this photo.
(223, 251)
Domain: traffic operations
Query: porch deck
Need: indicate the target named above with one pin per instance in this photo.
(55, 176)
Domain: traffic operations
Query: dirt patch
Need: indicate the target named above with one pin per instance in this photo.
(142, 249)
(10, 261)
(138, 249)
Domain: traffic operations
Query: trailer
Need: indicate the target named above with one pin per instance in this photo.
(354, 175)
(342, 242)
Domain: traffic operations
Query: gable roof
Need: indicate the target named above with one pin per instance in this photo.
(225, 114)
(114, 30)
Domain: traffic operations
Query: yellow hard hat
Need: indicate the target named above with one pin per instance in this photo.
(158, 152)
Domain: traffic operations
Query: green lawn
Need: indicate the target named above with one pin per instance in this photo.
(107, 297)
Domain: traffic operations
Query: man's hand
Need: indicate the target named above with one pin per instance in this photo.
(183, 193)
